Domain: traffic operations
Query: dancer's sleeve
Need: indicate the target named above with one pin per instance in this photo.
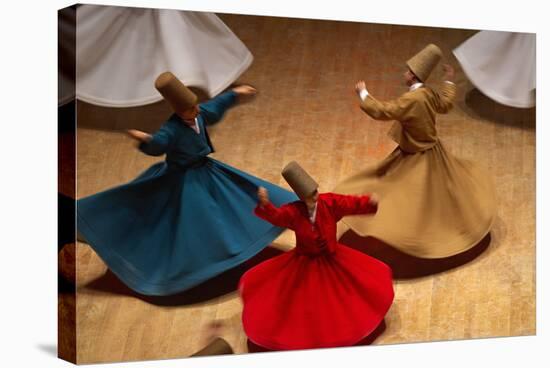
(160, 142)
(389, 110)
(213, 110)
(345, 205)
(282, 217)
(444, 99)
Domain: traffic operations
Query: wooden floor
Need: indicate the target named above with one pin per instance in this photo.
(305, 71)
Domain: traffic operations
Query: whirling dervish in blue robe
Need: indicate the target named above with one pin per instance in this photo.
(183, 220)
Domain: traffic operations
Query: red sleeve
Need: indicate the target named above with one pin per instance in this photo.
(345, 205)
(282, 217)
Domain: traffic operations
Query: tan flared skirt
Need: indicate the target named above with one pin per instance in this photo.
(431, 204)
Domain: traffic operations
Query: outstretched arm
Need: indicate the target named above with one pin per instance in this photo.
(214, 109)
(444, 99)
(281, 217)
(345, 205)
(156, 144)
(390, 110)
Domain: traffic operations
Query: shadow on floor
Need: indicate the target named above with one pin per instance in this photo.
(48, 349)
(220, 285)
(405, 266)
(253, 348)
(477, 104)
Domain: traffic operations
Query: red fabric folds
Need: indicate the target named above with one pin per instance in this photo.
(322, 293)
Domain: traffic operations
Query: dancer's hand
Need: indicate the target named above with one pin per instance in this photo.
(373, 200)
(263, 196)
(360, 85)
(139, 135)
(449, 72)
(245, 90)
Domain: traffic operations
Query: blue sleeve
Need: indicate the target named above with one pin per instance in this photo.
(160, 143)
(213, 110)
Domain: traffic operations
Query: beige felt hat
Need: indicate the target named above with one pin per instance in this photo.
(175, 92)
(425, 61)
(299, 180)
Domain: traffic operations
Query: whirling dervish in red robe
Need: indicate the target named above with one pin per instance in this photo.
(322, 293)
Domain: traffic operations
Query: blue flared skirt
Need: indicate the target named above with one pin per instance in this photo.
(172, 228)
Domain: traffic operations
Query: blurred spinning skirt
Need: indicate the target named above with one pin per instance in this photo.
(173, 228)
(298, 301)
(431, 204)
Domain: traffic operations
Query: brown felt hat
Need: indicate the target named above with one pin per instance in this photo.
(425, 61)
(175, 92)
(299, 180)
(217, 347)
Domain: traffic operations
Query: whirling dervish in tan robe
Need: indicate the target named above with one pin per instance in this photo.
(431, 204)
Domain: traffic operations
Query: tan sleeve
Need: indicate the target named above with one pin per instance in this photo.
(390, 110)
(444, 99)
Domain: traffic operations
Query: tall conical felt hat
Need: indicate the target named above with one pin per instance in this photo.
(173, 91)
(425, 61)
(299, 180)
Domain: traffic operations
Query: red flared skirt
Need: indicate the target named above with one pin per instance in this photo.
(296, 301)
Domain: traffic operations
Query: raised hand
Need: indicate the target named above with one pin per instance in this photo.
(263, 196)
(139, 135)
(360, 85)
(245, 90)
(449, 72)
(373, 200)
